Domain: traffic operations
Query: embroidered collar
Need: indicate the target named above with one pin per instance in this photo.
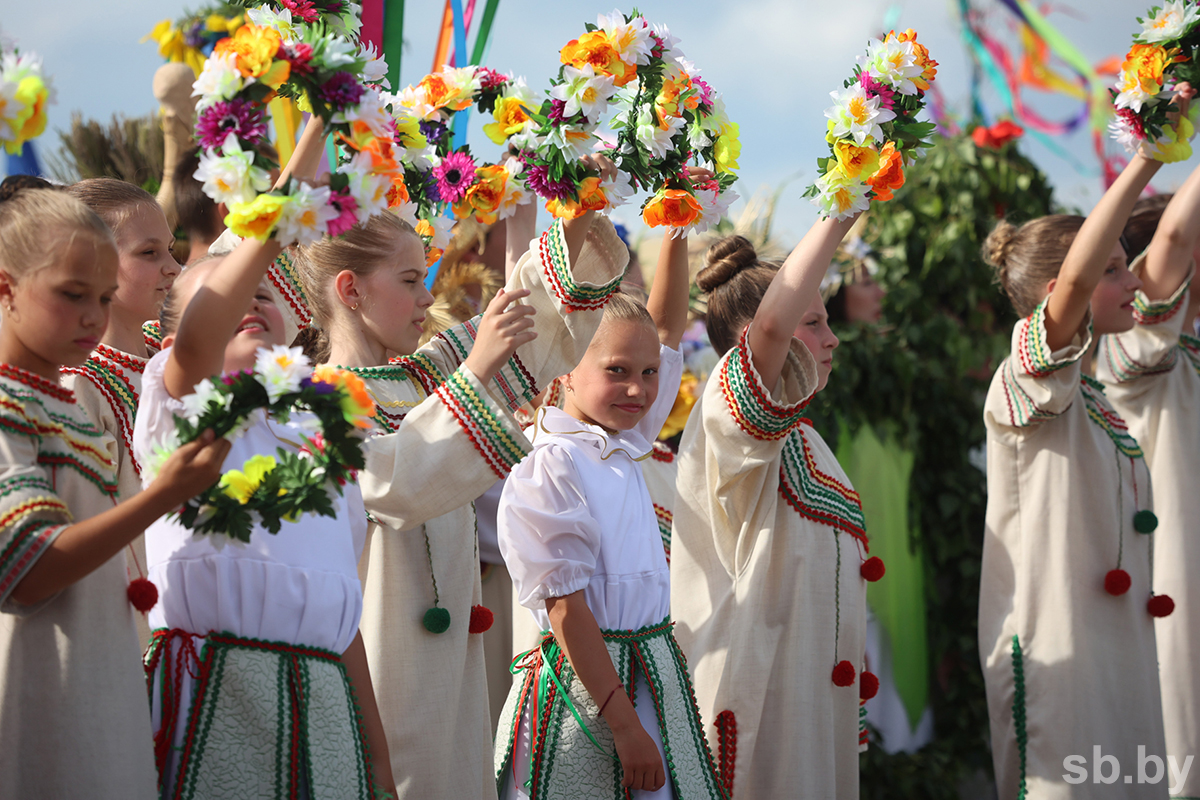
(37, 383)
(817, 495)
(1101, 413)
(552, 422)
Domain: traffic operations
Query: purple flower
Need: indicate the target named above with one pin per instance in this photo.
(455, 175)
(434, 132)
(874, 88)
(320, 387)
(429, 186)
(230, 116)
(195, 35)
(537, 178)
(341, 91)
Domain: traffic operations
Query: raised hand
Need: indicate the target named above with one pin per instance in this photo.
(506, 325)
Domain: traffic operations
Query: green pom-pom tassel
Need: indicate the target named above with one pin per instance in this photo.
(437, 620)
(1144, 521)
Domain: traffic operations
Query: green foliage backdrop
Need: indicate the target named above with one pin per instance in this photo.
(924, 375)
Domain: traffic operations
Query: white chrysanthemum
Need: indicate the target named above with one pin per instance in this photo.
(375, 70)
(671, 50)
(441, 231)
(339, 52)
(840, 198)
(160, 451)
(583, 90)
(406, 211)
(371, 111)
(654, 138)
(893, 62)
(1131, 94)
(230, 175)
(17, 66)
(306, 218)
(617, 190)
(854, 114)
(1125, 134)
(281, 369)
(368, 190)
(220, 80)
(196, 403)
(281, 21)
(714, 204)
(571, 140)
(348, 22)
(631, 39)
(1169, 22)
(515, 192)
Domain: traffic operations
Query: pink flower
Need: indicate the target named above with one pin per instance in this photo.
(455, 175)
(299, 55)
(347, 213)
(236, 116)
(304, 9)
(874, 88)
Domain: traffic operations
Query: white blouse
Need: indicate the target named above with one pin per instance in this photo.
(298, 586)
(576, 515)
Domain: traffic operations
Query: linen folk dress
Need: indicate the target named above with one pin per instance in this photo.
(249, 693)
(107, 387)
(766, 551)
(1152, 376)
(73, 716)
(453, 438)
(1068, 666)
(576, 516)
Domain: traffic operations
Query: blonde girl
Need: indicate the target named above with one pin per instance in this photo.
(109, 383)
(768, 539)
(448, 405)
(72, 698)
(1067, 597)
(256, 667)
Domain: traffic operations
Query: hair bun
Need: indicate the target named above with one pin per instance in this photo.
(999, 244)
(726, 258)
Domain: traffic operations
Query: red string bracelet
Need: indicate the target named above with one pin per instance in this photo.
(610, 697)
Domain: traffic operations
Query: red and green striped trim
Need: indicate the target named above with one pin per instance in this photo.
(514, 381)
(1125, 368)
(27, 543)
(749, 402)
(574, 296)
(664, 518)
(37, 383)
(1156, 312)
(1101, 413)
(494, 440)
(1033, 353)
(816, 495)
(283, 276)
(1190, 346)
(662, 453)
(152, 335)
(105, 369)
(1022, 410)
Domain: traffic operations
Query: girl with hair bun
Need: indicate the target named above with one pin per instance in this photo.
(768, 548)
(1152, 375)
(1067, 593)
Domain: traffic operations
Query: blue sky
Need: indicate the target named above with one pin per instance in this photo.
(775, 62)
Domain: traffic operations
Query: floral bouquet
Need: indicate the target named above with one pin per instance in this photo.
(872, 130)
(191, 39)
(274, 53)
(24, 93)
(269, 490)
(1163, 54)
(438, 176)
(667, 117)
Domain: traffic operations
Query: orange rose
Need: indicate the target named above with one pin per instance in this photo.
(674, 207)
(1147, 62)
(255, 50)
(398, 193)
(890, 174)
(667, 105)
(441, 94)
(596, 49)
(565, 208)
(484, 196)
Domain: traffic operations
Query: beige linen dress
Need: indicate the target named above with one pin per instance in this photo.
(1069, 667)
(74, 721)
(1151, 376)
(766, 589)
(452, 439)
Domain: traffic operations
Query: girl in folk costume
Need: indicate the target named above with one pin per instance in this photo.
(72, 697)
(1067, 603)
(768, 552)
(108, 384)
(449, 405)
(605, 706)
(1151, 374)
(256, 667)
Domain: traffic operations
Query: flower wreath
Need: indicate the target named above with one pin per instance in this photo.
(268, 490)
(668, 116)
(1163, 54)
(301, 57)
(191, 38)
(438, 176)
(24, 94)
(872, 130)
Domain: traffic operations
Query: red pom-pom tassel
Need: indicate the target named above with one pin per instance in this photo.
(142, 594)
(1160, 605)
(1117, 582)
(481, 619)
(843, 673)
(868, 685)
(872, 569)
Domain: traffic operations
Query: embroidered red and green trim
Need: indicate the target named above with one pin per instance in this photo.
(1022, 410)
(816, 495)
(284, 277)
(1190, 346)
(514, 381)
(25, 544)
(552, 252)
(491, 437)
(664, 518)
(662, 453)
(749, 403)
(152, 336)
(37, 383)
(1018, 711)
(1156, 312)
(1125, 368)
(726, 725)
(1101, 413)
(419, 366)
(106, 370)
(1032, 351)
